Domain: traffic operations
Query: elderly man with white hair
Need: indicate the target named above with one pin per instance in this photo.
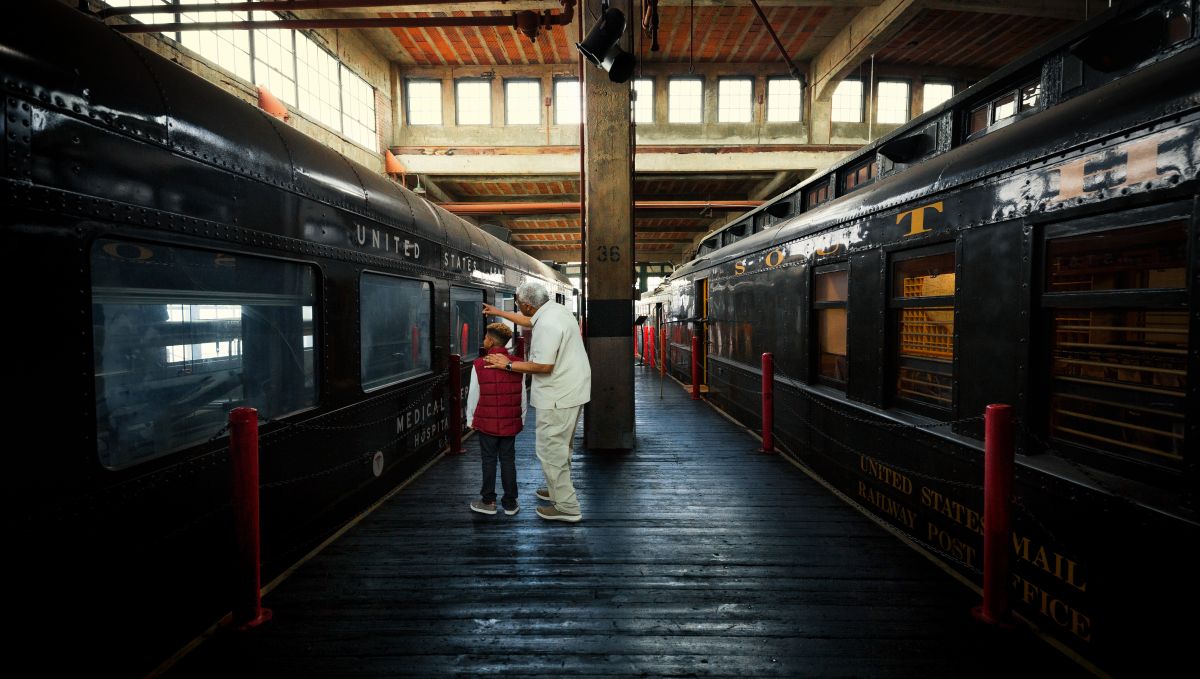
(562, 383)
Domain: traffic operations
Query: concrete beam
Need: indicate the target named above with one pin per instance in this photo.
(774, 185)
(435, 192)
(548, 162)
(866, 33)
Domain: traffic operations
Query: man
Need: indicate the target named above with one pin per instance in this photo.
(562, 383)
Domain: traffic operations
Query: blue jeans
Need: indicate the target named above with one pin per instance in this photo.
(490, 448)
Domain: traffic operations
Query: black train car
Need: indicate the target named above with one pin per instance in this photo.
(172, 253)
(1033, 242)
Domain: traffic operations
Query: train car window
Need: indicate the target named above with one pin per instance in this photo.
(816, 195)
(734, 233)
(857, 175)
(181, 336)
(1006, 105)
(923, 306)
(1116, 302)
(466, 336)
(394, 329)
(506, 301)
(830, 292)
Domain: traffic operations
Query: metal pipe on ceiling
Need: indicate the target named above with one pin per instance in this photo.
(528, 22)
(278, 5)
(567, 207)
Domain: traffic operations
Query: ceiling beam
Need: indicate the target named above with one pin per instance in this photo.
(770, 187)
(436, 192)
(1075, 11)
(866, 33)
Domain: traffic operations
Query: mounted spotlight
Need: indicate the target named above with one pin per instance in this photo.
(602, 49)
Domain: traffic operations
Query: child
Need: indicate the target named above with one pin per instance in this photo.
(496, 410)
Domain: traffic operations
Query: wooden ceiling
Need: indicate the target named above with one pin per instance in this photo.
(969, 37)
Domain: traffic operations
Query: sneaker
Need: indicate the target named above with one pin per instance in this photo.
(543, 493)
(514, 510)
(552, 514)
(483, 508)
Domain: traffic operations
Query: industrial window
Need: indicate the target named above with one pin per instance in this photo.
(394, 329)
(566, 102)
(318, 80)
(830, 290)
(1008, 104)
(643, 103)
(473, 101)
(734, 100)
(783, 100)
(466, 322)
(181, 336)
(358, 110)
(685, 100)
(1116, 306)
(848, 102)
(893, 102)
(857, 175)
(922, 302)
(228, 49)
(424, 102)
(816, 195)
(934, 94)
(522, 102)
(275, 61)
(147, 18)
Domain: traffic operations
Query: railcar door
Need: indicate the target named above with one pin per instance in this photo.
(466, 332)
(700, 328)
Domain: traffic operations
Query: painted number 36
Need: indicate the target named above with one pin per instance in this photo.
(609, 253)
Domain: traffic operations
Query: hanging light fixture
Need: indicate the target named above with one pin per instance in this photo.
(419, 189)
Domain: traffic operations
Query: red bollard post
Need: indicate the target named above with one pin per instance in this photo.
(462, 344)
(248, 612)
(653, 347)
(695, 368)
(768, 403)
(997, 515)
(416, 345)
(456, 406)
(519, 347)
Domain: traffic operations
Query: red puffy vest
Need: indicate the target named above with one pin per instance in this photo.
(498, 412)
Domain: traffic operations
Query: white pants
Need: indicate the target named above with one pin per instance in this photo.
(555, 432)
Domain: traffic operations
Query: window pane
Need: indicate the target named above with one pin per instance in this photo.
(831, 338)
(936, 93)
(893, 102)
(522, 102)
(1152, 256)
(466, 329)
(394, 322)
(783, 100)
(566, 102)
(926, 355)
(643, 105)
(925, 277)
(733, 100)
(424, 102)
(228, 49)
(1004, 107)
(275, 62)
(978, 120)
(317, 80)
(474, 102)
(685, 99)
(181, 336)
(1030, 95)
(1120, 380)
(146, 18)
(848, 102)
(358, 110)
(831, 286)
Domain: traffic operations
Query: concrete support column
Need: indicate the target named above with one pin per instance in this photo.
(820, 112)
(610, 254)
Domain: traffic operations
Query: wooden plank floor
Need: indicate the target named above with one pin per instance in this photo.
(696, 557)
